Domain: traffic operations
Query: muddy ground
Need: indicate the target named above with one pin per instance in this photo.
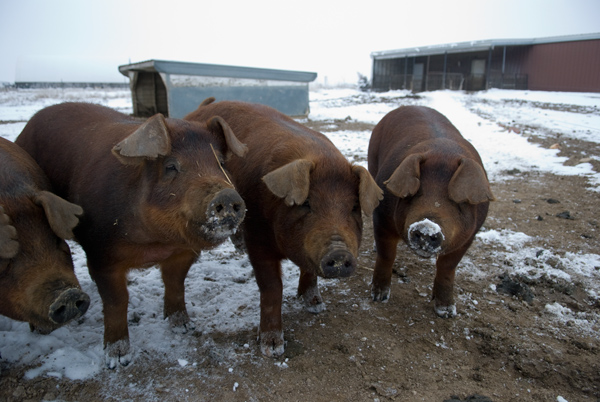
(504, 345)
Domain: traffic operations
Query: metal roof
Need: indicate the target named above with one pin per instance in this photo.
(216, 70)
(476, 46)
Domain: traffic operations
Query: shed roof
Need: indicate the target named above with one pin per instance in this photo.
(216, 70)
(476, 46)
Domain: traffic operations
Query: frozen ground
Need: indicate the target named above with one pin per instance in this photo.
(221, 291)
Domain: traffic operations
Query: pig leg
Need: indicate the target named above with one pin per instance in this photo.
(268, 277)
(112, 286)
(385, 243)
(308, 290)
(174, 271)
(443, 285)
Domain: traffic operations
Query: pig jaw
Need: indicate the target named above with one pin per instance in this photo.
(425, 238)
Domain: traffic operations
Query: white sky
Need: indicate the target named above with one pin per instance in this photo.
(80, 40)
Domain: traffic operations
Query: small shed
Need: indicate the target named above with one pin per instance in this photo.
(176, 88)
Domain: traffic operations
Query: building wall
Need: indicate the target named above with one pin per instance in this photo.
(564, 66)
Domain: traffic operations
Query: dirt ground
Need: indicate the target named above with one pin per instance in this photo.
(502, 346)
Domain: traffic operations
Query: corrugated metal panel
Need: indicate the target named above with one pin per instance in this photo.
(476, 46)
(572, 66)
(216, 70)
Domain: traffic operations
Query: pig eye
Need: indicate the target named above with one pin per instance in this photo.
(356, 207)
(306, 204)
(171, 166)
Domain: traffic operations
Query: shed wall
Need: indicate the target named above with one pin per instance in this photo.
(565, 66)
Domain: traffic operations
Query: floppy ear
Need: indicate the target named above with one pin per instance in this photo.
(369, 193)
(9, 244)
(404, 182)
(61, 214)
(291, 181)
(218, 125)
(149, 141)
(469, 184)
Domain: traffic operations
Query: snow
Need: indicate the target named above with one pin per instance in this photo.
(221, 293)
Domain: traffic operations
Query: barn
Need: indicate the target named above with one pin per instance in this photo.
(565, 63)
(176, 88)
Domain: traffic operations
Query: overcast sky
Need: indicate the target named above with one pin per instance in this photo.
(85, 40)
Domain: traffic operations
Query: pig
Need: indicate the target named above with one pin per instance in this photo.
(37, 278)
(154, 193)
(436, 196)
(304, 202)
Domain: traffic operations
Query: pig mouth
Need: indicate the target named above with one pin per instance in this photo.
(425, 238)
(215, 229)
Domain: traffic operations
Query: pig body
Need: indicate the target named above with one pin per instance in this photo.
(152, 192)
(436, 196)
(37, 280)
(304, 203)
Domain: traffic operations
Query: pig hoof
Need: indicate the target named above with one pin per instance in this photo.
(118, 352)
(380, 295)
(180, 323)
(446, 311)
(312, 300)
(271, 343)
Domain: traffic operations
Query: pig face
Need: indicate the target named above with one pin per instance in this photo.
(36, 270)
(187, 195)
(438, 197)
(320, 222)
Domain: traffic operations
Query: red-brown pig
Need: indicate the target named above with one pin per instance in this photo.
(153, 193)
(37, 279)
(304, 203)
(436, 196)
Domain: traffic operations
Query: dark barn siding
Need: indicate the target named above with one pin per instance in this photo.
(565, 66)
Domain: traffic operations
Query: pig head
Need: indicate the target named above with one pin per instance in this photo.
(37, 279)
(304, 201)
(436, 196)
(154, 193)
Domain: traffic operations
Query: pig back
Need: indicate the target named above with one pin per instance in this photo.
(71, 139)
(273, 139)
(413, 129)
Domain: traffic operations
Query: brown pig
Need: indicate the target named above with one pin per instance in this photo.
(304, 203)
(37, 279)
(153, 193)
(436, 196)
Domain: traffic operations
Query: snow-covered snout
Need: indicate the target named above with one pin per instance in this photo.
(224, 214)
(425, 238)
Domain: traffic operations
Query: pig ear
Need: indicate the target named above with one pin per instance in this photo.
(149, 141)
(208, 101)
(218, 124)
(469, 184)
(61, 214)
(369, 193)
(9, 245)
(290, 181)
(404, 182)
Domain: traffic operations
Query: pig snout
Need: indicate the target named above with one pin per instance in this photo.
(425, 238)
(338, 262)
(225, 213)
(70, 304)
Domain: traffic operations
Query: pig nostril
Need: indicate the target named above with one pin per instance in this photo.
(60, 311)
(236, 207)
(219, 208)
